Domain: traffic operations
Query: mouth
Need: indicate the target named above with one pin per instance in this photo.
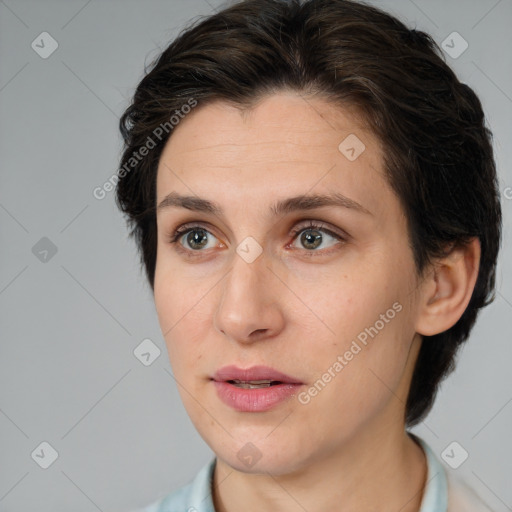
(255, 389)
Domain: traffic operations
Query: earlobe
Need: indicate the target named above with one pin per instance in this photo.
(447, 291)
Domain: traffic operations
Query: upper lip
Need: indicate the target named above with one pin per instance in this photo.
(227, 373)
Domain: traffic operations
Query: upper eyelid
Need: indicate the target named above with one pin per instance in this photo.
(317, 224)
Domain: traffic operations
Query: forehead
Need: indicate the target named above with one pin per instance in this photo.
(276, 123)
(285, 143)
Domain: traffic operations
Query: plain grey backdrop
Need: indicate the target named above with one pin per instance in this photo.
(74, 305)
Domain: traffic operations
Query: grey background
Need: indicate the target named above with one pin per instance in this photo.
(69, 326)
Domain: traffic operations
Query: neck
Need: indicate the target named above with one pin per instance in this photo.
(384, 471)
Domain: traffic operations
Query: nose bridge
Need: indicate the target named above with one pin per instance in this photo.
(244, 306)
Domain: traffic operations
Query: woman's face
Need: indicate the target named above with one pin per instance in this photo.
(324, 293)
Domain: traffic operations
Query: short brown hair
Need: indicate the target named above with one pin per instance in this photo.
(438, 150)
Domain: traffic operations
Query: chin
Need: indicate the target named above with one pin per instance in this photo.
(265, 465)
(248, 455)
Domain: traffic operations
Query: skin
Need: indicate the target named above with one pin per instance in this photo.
(297, 308)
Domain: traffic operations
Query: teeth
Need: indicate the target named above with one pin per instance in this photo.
(265, 381)
(252, 384)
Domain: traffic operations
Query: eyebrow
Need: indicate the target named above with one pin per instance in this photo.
(284, 206)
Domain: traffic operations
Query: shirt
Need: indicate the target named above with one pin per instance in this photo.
(442, 493)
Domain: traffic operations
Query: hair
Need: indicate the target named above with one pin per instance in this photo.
(438, 155)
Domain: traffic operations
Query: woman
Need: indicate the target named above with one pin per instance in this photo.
(314, 196)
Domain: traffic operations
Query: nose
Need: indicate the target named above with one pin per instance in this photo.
(249, 308)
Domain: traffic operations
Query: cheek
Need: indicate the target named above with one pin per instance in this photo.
(180, 310)
(366, 325)
(347, 303)
(354, 382)
(177, 296)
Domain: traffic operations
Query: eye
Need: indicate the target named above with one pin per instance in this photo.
(313, 235)
(195, 236)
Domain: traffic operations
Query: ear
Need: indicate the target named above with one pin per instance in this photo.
(447, 290)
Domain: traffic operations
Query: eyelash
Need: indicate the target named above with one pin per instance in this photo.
(312, 225)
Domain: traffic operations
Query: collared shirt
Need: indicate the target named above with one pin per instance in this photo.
(442, 493)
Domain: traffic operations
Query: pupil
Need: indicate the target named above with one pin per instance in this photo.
(307, 238)
(197, 240)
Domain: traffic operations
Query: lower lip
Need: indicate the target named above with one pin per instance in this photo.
(255, 400)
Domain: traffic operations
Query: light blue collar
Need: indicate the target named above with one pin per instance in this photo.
(435, 495)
